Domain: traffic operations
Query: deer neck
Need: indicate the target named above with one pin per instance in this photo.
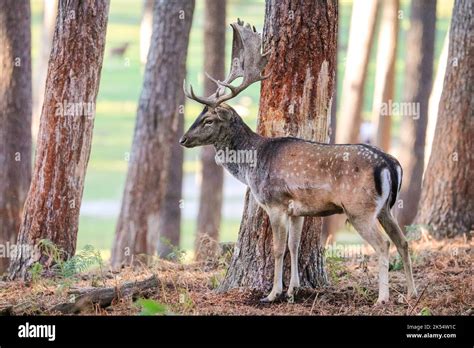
(237, 150)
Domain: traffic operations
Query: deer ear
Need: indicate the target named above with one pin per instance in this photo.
(222, 115)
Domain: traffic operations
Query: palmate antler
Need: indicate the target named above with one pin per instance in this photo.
(247, 62)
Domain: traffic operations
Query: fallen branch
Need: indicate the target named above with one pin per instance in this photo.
(103, 297)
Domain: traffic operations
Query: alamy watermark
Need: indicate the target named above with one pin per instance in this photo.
(404, 109)
(237, 156)
(85, 109)
(10, 250)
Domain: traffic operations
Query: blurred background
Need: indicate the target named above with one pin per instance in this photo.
(120, 86)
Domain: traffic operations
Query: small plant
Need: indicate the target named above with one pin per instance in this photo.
(425, 312)
(396, 264)
(151, 307)
(336, 267)
(177, 254)
(66, 270)
(216, 279)
(36, 271)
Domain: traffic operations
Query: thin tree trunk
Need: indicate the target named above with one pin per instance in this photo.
(361, 34)
(146, 28)
(295, 100)
(435, 98)
(210, 199)
(15, 119)
(64, 141)
(170, 214)
(157, 124)
(418, 81)
(50, 11)
(447, 204)
(385, 74)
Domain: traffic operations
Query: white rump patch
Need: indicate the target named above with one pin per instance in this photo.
(385, 181)
(399, 175)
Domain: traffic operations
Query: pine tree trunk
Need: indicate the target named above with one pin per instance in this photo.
(15, 119)
(418, 81)
(50, 11)
(170, 213)
(210, 199)
(361, 34)
(435, 97)
(64, 140)
(295, 100)
(447, 203)
(157, 124)
(385, 74)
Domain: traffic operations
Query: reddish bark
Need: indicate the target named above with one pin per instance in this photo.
(64, 141)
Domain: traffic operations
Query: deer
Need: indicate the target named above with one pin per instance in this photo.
(295, 178)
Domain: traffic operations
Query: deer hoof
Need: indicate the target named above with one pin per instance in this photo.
(270, 298)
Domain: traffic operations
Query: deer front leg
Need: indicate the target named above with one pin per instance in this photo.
(278, 222)
(295, 228)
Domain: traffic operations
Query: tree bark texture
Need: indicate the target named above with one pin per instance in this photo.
(156, 127)
(64, 140)
(435, 97)
(210, 199)
(418, 82)
(170, 214)
(15, 119)
(295, 100)
(385, 74)
(361, 34)
(447, 198)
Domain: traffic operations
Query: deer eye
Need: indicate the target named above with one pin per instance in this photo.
(208, 122)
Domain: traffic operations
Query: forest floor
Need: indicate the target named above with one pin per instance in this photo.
(442, 270)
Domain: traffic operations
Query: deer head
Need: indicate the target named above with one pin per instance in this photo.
(216, 117)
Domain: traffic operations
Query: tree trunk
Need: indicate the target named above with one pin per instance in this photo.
(418, 81)
(157, 124)
(435, 97)
(170, 213)
(50, 11)
(64, 141)
(295, 100)
(210, 199)
(385, 74)
(15, 119)
(146, 28)
(361, 34)
(447, 203)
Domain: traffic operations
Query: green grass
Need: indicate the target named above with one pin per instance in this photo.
(120, 89)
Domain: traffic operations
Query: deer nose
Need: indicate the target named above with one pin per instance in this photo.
(183, 140)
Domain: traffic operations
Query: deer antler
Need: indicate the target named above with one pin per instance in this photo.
(247, 62)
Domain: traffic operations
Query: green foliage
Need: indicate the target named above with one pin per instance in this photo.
(65, 270)
(425, 311)
(36, 271)
(177, 254)
(151, 307)
(335, 267)
(396, 264)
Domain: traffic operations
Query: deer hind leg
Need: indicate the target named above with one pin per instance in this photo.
(295, 228)
(278, 221)
(392, 229)
(367, 228)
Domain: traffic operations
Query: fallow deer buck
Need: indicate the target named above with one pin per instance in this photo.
(294, 178)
